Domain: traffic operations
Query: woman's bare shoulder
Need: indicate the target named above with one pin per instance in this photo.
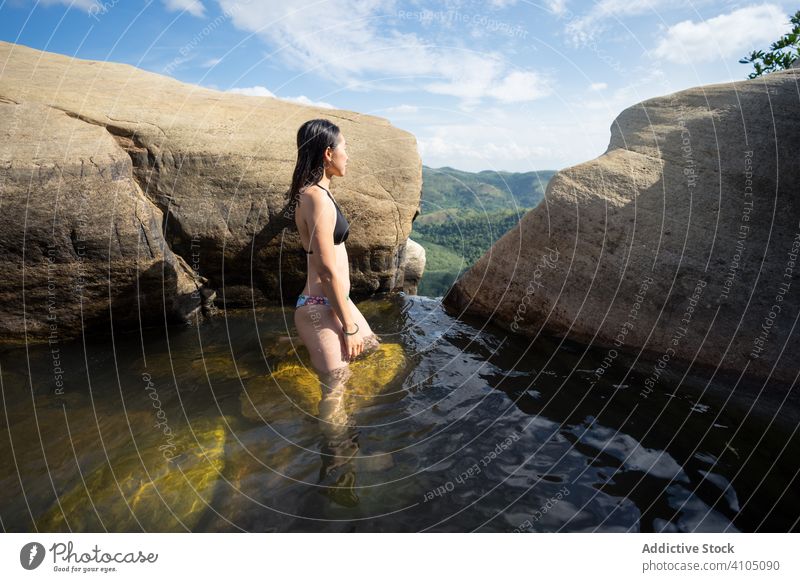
(311, 190)
(313, 202)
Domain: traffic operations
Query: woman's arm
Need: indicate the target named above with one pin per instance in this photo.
(320, 216)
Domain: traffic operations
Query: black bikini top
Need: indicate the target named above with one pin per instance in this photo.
(342, 229)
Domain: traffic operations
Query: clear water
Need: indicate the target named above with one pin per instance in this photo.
(448, 428)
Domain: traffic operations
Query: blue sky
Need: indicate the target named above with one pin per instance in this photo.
(493, 85)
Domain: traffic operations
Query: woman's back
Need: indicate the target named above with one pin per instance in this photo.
(304, 221)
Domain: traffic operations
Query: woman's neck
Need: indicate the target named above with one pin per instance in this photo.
(325, 181)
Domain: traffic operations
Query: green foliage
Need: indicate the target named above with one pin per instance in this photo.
(452, 247)
(442, 268)
(487, 191)
(469, 235)
(440, 258)
(464, 213)
(778, 58)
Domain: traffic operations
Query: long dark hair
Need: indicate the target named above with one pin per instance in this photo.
(312, 138)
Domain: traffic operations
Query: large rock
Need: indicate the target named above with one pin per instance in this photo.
(178, 191)
(681, 239)
(81, 244)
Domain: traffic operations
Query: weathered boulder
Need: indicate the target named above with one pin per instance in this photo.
(80, 242)
(681, 240)
(177, 174)
(413, 266)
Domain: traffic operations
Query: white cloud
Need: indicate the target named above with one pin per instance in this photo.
(520, 86)
(512, 138)
(726, 35)
(348, 47)
(193, 7)
(587, 27)
(259, 91)
(211, 63)
(402, 109)
(556, 6)
(598, 86)
(536, 136)
(647, 83)
(447, 144)
(302, 99)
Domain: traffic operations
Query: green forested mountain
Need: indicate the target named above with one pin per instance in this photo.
(469, 236)
(484, 192)
(464, 213)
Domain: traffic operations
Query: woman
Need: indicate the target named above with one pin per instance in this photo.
(334, 332)
(327, 321)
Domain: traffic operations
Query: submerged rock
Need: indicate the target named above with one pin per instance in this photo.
(293, 384)
(145, 489)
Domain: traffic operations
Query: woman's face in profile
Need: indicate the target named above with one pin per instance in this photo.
(339, 157)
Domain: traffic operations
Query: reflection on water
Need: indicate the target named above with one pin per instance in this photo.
(442, 427)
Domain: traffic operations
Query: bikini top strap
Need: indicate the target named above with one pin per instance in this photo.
(329, 194)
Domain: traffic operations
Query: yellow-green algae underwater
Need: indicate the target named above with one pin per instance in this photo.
(155, 486)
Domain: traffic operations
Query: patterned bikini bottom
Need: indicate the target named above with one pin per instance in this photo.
(313, 300)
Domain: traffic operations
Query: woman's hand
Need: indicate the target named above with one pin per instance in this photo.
(353, 344)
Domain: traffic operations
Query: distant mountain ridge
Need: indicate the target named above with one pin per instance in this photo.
(464, 213)
(483, 192)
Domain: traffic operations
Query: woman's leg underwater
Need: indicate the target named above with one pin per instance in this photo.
(319, 330)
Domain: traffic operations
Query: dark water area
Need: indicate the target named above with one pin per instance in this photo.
(447, 427)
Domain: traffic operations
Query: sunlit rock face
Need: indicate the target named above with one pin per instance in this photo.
(681, 239)
(413, 266)
(146, 198)
(80, 241)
